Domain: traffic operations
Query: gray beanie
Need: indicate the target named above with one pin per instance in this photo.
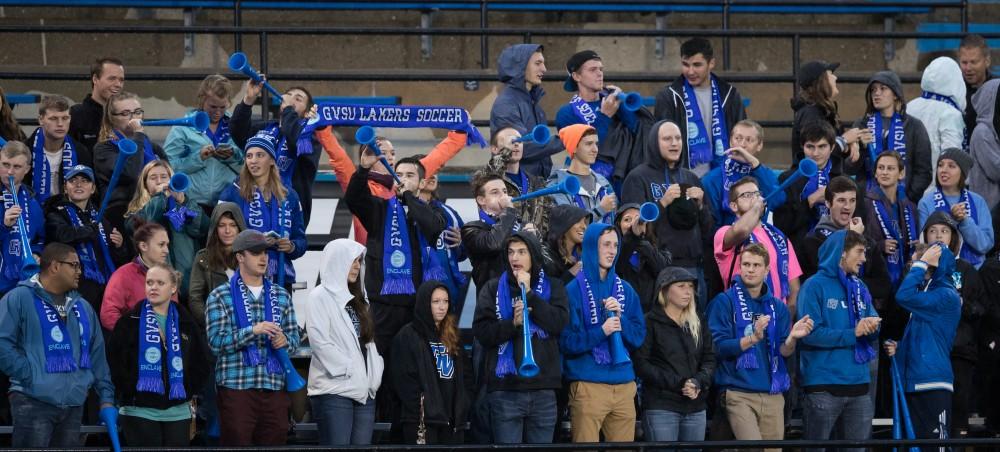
(963, 160)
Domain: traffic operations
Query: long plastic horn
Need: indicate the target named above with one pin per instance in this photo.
(239, 62)
(540, 134)
(29, 266)
(570, 186)
(179, 183)
(199, 121)
(126, 149)
(293, 381)
(2, 142)
(649, 212)
(807, 168)
(631, 101)
(529, 368)
(366, 135)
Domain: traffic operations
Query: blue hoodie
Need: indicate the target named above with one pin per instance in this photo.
(826, 356)
(722, 323)
(22, 354)
(935, 310)
(519, 108)
(577, 341)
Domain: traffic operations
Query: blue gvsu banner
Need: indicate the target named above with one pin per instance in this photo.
(396, 116)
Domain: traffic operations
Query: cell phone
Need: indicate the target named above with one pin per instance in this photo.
(223, 148)
(272, 235)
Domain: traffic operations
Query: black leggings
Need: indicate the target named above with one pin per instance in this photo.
(141, 432)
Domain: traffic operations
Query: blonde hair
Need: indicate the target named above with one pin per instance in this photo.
(214, 85)
(142, 194)
(107, 127)
(689, 317)
(274, 187)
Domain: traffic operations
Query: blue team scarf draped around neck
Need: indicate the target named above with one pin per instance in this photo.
(601, 193)
(895, 140)
(583, 110)
(221, 134)
(821, 179)
(255, 354)
(55, 336)
(284, 160)
(88, 257)
(12, 249)
(41, 171)
(743, 318)
(397, 256)
(889, 222)
(505, 310)
(268, 216)
(452, 219)
(594, 304)
(780, 244)
(858, 300)
(704, 147)
(732, 171)
(940, 203)
(147, 147)
(946, 99)
(151, 356)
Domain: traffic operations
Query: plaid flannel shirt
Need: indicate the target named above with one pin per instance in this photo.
(227, 340)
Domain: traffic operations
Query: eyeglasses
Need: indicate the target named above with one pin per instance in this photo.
(129, 114)
(749, 195)
(76, 265)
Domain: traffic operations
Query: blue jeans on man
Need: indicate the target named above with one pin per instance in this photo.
(523, 416)
(665, 425)
(39, 424)
(826, 416)
(342, 421)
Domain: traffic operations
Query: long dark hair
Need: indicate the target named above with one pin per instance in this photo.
(360, 306)
(220, 256)
(820, 94)
(8, 124)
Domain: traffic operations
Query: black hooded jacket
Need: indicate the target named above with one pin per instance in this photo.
(415, 373)
(651, 261)
(562, 218)
(551, 316)
(485, 245)
(686, 246)
(668, 357)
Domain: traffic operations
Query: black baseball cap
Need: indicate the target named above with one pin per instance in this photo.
(573, 64)
(813, 70)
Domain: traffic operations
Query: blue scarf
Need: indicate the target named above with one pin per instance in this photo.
(700, 148)
(147, 147)
(743, 318)
(283, 158)
(732, 171)
(595, 311)
(268, 216)
(601, 193)
(821, 179)
(946, 99)
(55, 337)
(780, 244)
(397, 259)
(940, 203)
(12, 252)
(41, 172)
(896, 140)
(395, 116)
(88, 257)
(452, 219)
(858, 300)
(254, 354)
(889, 223)
(221, 134)
(505, 310)
(583, 110)
(151, 358)
(179, 215)
(523, 182)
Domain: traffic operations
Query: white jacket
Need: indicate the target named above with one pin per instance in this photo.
(338, 366)
(945, 124)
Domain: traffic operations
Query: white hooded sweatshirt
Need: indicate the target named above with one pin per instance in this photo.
(945, 123)
(338, 367)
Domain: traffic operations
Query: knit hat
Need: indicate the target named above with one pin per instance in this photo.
(574, 64)
(670, 275)
(682, 213)
(963, 160)
(571, 136)
(266, 141)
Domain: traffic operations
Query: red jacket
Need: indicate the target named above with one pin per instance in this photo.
(126, 288)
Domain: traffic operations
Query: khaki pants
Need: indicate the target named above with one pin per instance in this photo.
(596, 408)
(756, 415)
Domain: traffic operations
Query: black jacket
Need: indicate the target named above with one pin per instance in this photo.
(123, 351)
(973, 293)
(59, 228)
(485, 246)
(989, 326)
(643, 277)
(371, 211)
(551, 316)
(794, 216)
(105, 157)
(668, 358)
(919, 168)
(414, 372)
(84, 128)
(686, 246)
(806, 113)
(306, 165)
(670, 107)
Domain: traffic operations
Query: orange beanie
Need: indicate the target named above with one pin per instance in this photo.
(571, 136)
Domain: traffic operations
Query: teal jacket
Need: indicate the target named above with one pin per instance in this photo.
(186, 242)
(209, 176)
(22, 354)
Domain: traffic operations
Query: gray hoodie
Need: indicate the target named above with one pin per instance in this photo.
(519, 108)
(984, 177)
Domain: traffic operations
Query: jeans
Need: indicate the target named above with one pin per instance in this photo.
(523, 416)
(342, 421)
(664, 425)
(39, 424)
(141, 432)
(826, 416)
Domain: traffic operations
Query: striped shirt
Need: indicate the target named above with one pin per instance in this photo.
(227, 340)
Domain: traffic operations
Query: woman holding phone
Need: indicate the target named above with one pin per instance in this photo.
(210, 158)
